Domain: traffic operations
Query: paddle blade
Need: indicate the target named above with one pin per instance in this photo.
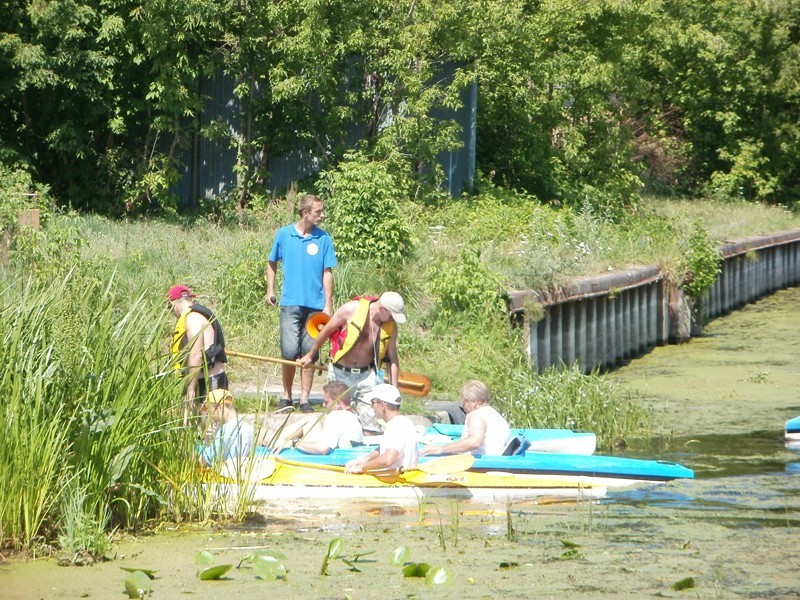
(413, 384)
(447, 464)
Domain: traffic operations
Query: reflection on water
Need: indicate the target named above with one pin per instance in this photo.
(745, 472)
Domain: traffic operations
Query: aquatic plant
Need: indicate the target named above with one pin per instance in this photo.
(432, 575)
(334, 549)
(90, 416)
(138, 585)
(568, 398)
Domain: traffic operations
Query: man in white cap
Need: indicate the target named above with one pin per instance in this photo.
(363, 334)
(398, 449)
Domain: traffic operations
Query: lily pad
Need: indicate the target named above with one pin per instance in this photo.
(149, 572)
(137, 584)
(335, 548)
(272, 553)
(203, 558)
(400, 556)
(268, 568)
(416, 570)
(215, 572)
(437, 576)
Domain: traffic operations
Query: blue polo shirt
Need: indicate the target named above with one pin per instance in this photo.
(303, 260)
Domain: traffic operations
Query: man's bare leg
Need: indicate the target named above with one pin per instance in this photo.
(287, 376)
(306, 380)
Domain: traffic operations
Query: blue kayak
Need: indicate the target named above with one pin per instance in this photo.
(792, 431)
(611, 471)
(559, 441)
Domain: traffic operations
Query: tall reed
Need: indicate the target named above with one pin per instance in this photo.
(90, 411)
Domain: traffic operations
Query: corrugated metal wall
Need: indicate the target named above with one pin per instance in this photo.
(600, 322)
(208, 165)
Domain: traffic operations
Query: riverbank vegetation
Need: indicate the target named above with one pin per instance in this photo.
(580, 107)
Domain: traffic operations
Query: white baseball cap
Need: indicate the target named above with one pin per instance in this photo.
(393, 302)
(385, 392)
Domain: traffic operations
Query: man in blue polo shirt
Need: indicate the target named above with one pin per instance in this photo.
(306, 252)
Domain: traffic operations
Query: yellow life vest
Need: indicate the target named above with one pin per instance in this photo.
(356, 328)
(179, 341)
(215, 353)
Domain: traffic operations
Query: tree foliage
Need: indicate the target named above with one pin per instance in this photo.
(579, 103)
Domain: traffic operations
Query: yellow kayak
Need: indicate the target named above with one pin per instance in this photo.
(279, 478)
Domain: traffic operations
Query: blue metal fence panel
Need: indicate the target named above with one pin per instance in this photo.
(207, 166)
(598, 322)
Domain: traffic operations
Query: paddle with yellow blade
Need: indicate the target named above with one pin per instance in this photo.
(444, 465)
(412, 384)
(263, 467)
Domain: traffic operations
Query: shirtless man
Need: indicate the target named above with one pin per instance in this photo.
(365, 336)
(486, 431)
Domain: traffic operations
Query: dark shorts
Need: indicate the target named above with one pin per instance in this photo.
(295, 341)
(215, 382)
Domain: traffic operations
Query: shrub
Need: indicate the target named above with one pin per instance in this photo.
(465, 288)
(701, 262)
(366, 211)
(17, 192)
(567, 398)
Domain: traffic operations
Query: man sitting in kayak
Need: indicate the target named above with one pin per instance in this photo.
(486, 432)
(340, 429)
(398, 449)
(234, 436)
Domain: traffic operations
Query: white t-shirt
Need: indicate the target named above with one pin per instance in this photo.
(497, 430)
(341, 429)
(401, 435)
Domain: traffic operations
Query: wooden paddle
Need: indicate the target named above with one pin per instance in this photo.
(445, 465)
(412, 384)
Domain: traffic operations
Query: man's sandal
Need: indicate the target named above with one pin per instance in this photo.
(285, 405)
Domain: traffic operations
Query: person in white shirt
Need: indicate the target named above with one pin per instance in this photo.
(340, 429)
(398, 449)
(234, 436)
(486, 432)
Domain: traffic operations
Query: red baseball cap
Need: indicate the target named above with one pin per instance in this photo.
(179, 291)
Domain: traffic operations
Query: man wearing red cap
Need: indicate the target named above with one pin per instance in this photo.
(198, 345)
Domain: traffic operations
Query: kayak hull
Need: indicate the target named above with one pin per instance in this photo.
(557, 441)
(289, 479)
(792, 430)
(594, 470)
